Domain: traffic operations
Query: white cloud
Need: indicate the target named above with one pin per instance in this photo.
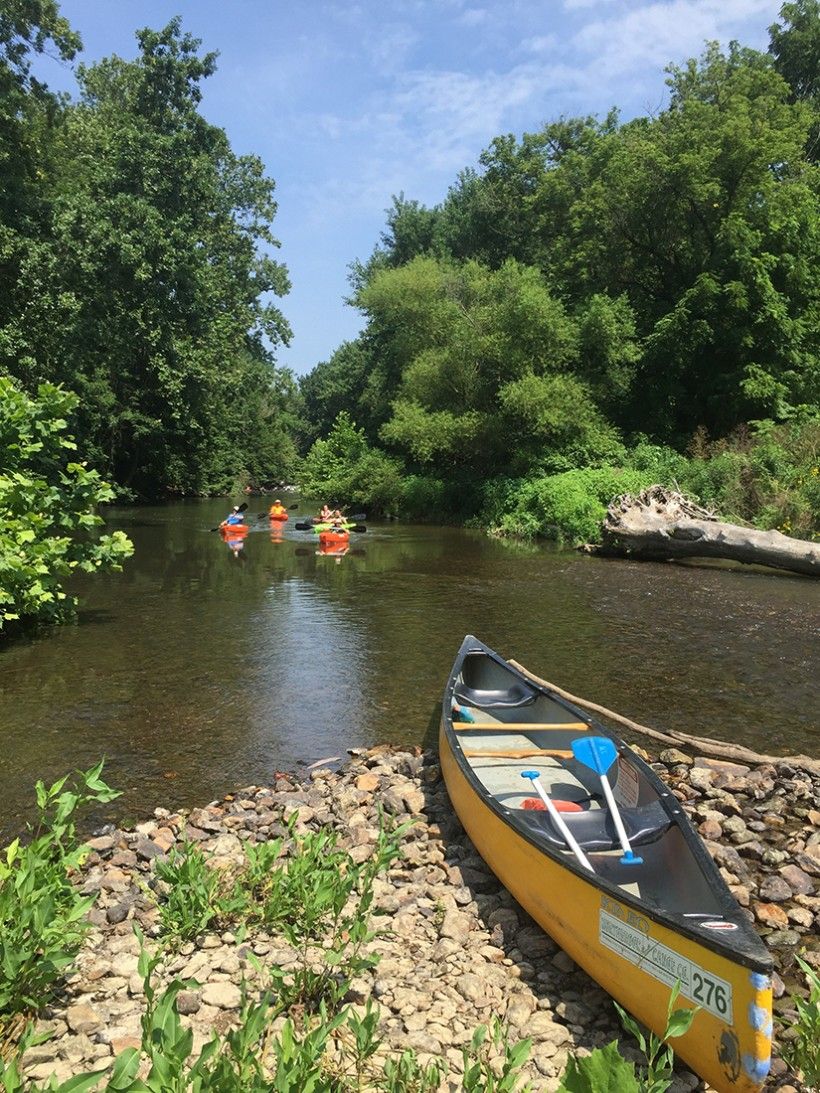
(543, 43)
(474, 17)
(575, 5)
(653, 34)
(388, 49)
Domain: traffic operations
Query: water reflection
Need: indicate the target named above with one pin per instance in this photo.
(192, 673)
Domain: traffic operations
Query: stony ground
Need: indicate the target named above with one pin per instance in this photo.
(460, 949)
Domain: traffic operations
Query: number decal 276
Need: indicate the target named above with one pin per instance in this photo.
(710, 994)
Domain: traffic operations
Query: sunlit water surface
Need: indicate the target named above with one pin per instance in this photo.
(199, 669)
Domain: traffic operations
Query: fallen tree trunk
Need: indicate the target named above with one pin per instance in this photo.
(703, 744)
(663, 524)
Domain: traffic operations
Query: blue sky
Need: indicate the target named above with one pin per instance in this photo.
(349, 103)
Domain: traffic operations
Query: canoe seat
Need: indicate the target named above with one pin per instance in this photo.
(507, 698)
(595, 830)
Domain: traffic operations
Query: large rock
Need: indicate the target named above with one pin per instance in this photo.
(83, 1018)
(222, 995)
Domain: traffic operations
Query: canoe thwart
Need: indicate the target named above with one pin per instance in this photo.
(518, 753)
(519, 726)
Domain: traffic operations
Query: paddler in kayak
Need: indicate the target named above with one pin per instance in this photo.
(278, 511)
(327, 514)
(234, 517)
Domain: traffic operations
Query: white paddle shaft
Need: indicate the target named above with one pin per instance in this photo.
(561, 825)
(616, 816)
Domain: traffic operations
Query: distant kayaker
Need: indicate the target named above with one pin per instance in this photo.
(234, 517)
(327, 514)
(277, 509)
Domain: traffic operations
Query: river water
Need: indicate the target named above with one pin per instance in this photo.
(201, 668)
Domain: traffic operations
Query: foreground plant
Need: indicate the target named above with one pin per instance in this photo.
(803, 1051)
(479, 1074)
(656, 1076)
(192, 900)
(606, 1069)
(42, 914)
(320, 900)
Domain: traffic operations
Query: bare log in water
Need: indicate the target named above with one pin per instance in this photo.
(703, 744)
(661, 524)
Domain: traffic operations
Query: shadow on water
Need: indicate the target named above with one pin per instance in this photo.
(197, 670)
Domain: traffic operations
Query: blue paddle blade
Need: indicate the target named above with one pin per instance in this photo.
(596, 752)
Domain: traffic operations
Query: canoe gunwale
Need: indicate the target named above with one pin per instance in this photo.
(742, 946)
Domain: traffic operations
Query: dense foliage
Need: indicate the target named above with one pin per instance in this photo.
(135, 264)
(591, 291)
(47, 507)
(598, 289)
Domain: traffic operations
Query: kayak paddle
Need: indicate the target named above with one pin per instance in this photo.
(558, 819)
(240, 509)
(599, 753)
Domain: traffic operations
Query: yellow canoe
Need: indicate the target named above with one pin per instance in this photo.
(637, 922)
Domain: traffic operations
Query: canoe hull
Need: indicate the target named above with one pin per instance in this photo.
(234, 530)
(635, 949)
(577, 915)
(278, 516)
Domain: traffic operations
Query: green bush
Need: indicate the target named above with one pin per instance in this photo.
(803, 1050)
(568, 507)
(194, 892)
(768, 476)
(345, 469)
(42, 914)
(47, 504)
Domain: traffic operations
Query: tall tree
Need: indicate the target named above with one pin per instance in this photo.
(482, 363)
(795, 45)
(153, 299)
(704, 219)
(28, 113)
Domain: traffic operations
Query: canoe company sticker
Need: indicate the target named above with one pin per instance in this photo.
(626, 933)
(626, 787)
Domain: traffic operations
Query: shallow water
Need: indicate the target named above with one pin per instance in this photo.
(198, 670)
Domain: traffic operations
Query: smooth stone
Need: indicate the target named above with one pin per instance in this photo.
(223, 995)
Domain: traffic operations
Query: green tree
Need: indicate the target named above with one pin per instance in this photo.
(346, 469)
(704, 218)
(153, 297)
(480, 361)
(795, 45)
(340, 383)
(47, 507)
(28, 114)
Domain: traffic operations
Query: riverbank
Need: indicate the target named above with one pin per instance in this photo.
(459, 950)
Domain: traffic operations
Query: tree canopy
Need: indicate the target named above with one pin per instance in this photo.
(144, 280)
(601, 280)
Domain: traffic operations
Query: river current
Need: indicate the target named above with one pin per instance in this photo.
(206, 665)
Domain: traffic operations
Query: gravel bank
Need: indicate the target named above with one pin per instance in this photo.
(460, 950)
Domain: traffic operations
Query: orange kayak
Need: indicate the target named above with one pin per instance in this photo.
(334, 538)
(277, 516)
(229, 530)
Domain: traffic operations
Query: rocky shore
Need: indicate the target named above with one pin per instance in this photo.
(459, 950)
